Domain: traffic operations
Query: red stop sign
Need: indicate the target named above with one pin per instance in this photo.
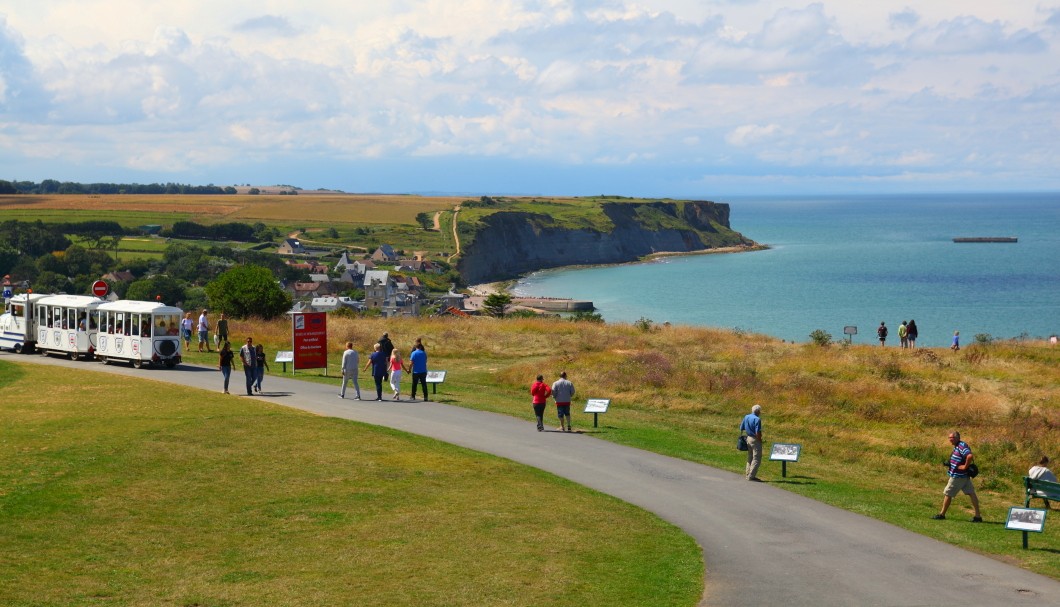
(100, 288)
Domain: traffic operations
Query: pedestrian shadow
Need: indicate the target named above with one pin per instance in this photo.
(795, 480)
(274, 394)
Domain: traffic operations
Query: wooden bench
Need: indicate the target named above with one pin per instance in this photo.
(1044, 490)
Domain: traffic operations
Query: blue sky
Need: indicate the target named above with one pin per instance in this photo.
(682, 98)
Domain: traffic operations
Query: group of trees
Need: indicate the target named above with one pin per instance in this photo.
(51, 186)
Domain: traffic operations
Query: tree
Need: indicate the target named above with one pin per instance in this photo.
(426, 220)
(170, 289)
(248, 291)
(496, 303)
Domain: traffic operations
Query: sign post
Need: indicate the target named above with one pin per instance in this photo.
(596, 406)
(100, 289)
(785, 452)
(1026, 519)
(850, 331)
(309, 336)
(435, 378)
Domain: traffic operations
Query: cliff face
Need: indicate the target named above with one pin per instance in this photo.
(514, 243)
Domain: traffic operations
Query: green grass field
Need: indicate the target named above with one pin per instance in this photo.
(122, 492)
(682, 391)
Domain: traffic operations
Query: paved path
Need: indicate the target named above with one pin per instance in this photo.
(761, 545)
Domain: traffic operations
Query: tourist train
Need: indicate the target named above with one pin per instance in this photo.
(82, 327)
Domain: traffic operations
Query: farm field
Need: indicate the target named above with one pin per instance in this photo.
(135, 210)
(682, 391)
(111, 495)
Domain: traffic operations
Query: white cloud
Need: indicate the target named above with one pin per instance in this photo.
(761, 87)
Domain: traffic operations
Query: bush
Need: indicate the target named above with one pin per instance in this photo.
(984, 339)
(821, 337)
(644, 324)
(586, 316)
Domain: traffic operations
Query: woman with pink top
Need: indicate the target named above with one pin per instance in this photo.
(396, 367)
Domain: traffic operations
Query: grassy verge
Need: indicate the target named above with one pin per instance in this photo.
(872, 421)
(140, 493)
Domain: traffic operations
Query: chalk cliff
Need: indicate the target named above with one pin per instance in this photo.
(512, 243)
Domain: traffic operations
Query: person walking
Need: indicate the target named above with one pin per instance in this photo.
(378, 363)
(220, 334)
(418, 368)
(387, 348)
(956, 345)
(539, 391)
(960, 459)
(249, 357)
(911, 333)
(881, 333)
(396, 367)
(224, 362)
(186, 325)
(903, 335)
(204, 332)
(263, 366)
(563, 392)
(752, 426)
(351, 362)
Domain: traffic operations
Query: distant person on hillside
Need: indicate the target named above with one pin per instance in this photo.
(224, 362)
(752, 427)
(563, 392)
(956, 341)
(186, 325)
(378, 363)
(351, 363)
(263, 366)
(204, 332)
(911, 333)
(418, 368)
(539, 392)
(903, 335)
(387, 348)
(221, 330)
(960, 458)
(881, 333)
(1041, 472)
(249, 357)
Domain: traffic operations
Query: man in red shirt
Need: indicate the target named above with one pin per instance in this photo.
(540, 391)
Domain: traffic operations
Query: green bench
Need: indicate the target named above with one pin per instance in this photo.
(1044, 490)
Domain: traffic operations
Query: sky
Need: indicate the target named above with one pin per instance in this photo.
(683, 99)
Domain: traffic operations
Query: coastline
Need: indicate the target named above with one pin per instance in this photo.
(505, 286)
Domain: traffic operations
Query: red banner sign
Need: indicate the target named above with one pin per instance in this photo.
(309, 333)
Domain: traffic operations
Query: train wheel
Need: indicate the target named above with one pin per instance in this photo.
(137, 363)
(18, 348)
(103, 359)
(42, 351)
(72, 355)
(170, 363)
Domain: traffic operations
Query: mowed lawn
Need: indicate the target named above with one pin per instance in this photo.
(133, 492)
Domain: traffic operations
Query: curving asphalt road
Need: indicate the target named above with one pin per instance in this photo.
(761, 545)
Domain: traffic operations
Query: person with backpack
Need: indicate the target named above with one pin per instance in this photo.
(960, 474)
(881, 333)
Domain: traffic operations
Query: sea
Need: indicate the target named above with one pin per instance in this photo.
(836, 262)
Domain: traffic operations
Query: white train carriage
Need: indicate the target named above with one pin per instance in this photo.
(140, 332)
(17, 325)
(66, 325)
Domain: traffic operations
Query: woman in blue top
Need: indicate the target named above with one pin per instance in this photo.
(378, 362)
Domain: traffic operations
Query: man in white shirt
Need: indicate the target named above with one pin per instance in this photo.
(351, 362)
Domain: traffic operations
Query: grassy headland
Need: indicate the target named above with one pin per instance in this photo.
(140, 493)
(872, 421)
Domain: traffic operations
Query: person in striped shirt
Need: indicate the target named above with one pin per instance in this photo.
(960, 459)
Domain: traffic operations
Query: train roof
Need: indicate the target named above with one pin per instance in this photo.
(76, 301)
(24, 297)
(139, 307)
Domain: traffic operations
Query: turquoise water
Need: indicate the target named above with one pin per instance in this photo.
(853, 260)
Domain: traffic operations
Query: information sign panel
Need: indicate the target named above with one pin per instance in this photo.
(310, 338)
(435, 377)
(1026, 519)
(597, 405)
(785, 452)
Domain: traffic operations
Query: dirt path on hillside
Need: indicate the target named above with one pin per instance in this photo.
(456, 239)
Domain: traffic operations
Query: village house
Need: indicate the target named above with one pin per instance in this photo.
(330, 304)
(378, 288)
(118, 276)
(346, 260)
(385, 253)
(291, 246)
(349, 275)
(362, 267)
(418, 265)
(322, 278)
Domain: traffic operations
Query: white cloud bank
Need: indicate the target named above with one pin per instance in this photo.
(656, 98)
